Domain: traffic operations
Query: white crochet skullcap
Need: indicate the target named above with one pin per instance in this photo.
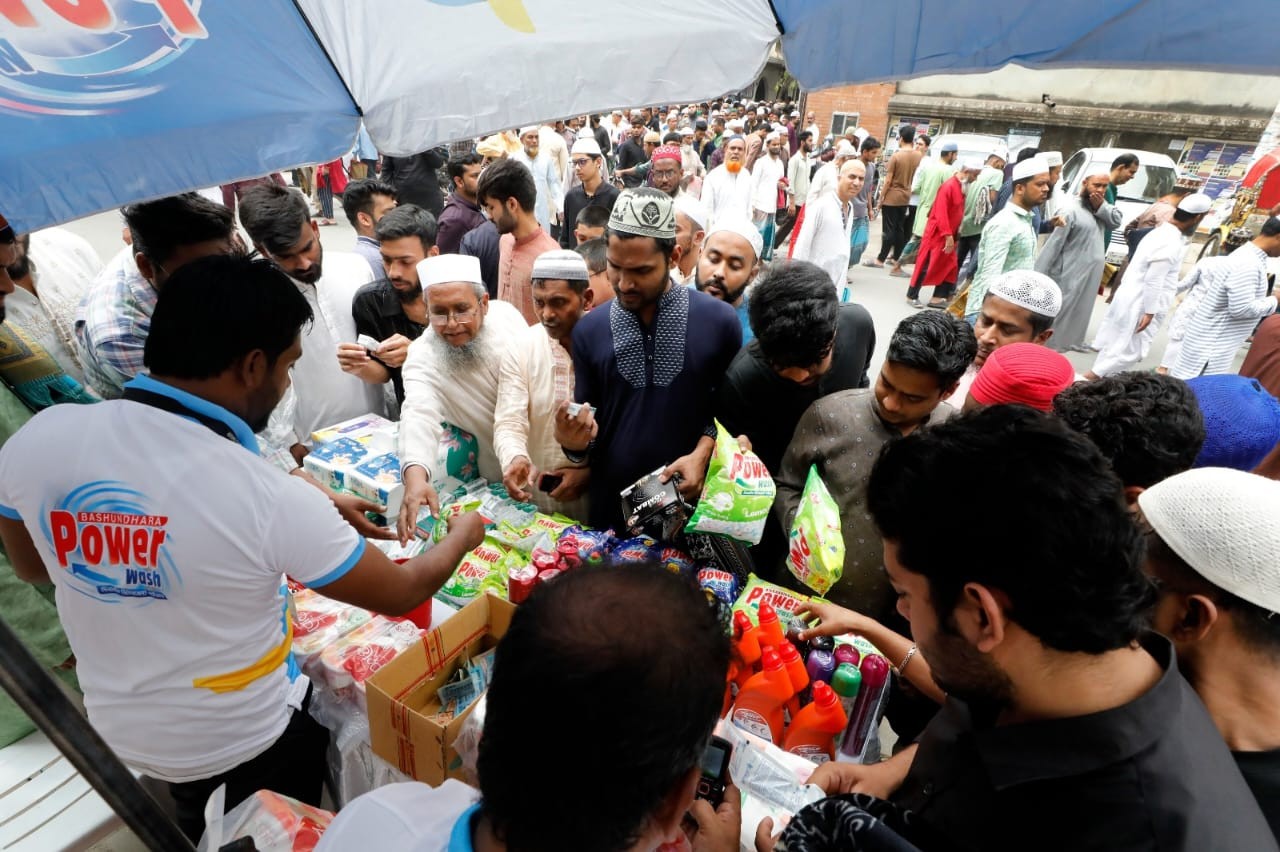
(1029, 168)
(1029, 289)
(1222, 523)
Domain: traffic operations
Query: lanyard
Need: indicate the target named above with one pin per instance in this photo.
(171, 405)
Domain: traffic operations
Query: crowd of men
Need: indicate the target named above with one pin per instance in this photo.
(587, 335)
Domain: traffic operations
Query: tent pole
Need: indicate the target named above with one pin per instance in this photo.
(40, 697)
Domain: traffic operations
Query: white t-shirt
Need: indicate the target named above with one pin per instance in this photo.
(325, 394)
(409, 817)
(167, 544)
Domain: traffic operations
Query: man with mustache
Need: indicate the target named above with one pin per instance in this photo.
(451, 374)
(729, 262)
(392, 311)
(536, 376)
(726, 193)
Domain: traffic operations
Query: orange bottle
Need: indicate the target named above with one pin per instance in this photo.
(760, 701)
(771, 632)
(728, 688)
(796, 671)
(746, 646)
(814, 730)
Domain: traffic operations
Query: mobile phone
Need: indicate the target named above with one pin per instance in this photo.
(549, 482)
(575, 407)
(715, 771)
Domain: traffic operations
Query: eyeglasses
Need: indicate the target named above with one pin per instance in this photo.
(579, 163)
(460, 317)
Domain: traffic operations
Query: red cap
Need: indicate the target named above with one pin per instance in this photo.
(823, 695)
(1024, 373)
(767, 613)
(769, 659)
(741, 623)
(788, 653)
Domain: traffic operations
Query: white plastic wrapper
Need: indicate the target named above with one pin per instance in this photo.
(468, 742)
(772, 781)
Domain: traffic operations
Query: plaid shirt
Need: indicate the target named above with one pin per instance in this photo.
(111, 331)
(113, 324)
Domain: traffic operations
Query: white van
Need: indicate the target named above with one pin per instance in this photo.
(971, 145)
(1156, 176)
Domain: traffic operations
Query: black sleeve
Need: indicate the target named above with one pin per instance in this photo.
(868, 331)
(364, 311)
(436, 157)
(389, 170)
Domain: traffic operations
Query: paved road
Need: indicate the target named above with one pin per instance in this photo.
(883, 296)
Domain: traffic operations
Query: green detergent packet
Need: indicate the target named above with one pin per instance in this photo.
(737, 496)
(816, 556)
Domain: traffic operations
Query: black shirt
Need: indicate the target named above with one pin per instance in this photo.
(631, 154)
(1261, 771)
(415, 178)
(576, 200)
(757, 402)
(378, 313)
(1152, 774)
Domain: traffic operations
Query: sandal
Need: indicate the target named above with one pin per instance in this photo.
(874, 264)
(915, 303)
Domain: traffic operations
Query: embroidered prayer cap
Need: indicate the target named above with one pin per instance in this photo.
(1029, 168)
(743, 227)
(560, 264)
(666, 152)
(1024, 373)
(1028, 289)
(644, 212)
(652, 137)
(1222, 523)
(1241, 421)
(449, 269)
(586, 146)
(1053, 158)
(1195, 203)
(1188, 181)
(527, 129)
(693, 208)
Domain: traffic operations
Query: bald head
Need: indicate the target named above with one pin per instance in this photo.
(852, 176)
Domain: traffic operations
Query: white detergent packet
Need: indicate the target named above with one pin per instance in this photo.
(771, 780)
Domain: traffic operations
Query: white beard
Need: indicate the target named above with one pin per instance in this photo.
(461, 359)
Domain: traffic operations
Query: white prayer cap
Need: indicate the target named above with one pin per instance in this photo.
(1222, 523)
(616, 112)
(1053, 158)
(1029, 167)
(779, 127)
(861, 134)
(692, 207)
(586, 145)
(759, 110)
(1195, 203)
(449, 269)
(560, 264)
(772, 136)
(736, 124)
(972, 163)
(1098, 168)
(686, 131)
(1028, 289)
(529, 128)
(1001, 152)
(845, 149)
(743, 228)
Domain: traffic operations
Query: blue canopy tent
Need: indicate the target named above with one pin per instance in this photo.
(108, 101)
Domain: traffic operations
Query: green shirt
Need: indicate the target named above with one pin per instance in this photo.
(988, 181)
(929, 179)
(28, 610)
(1111, 199)
(1008, 242)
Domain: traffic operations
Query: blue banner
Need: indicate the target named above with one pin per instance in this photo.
(103, 102)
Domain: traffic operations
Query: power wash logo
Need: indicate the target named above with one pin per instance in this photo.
(85, 57)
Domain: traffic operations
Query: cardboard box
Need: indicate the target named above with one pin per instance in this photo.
(377, 478)
(331, 463)
(402, 694)
(360, 429)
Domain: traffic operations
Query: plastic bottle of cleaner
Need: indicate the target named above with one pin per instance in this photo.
(760, 701)
(770, 627)
(860, 735)
(847, 654)
(799, 675)
(746, 645)
(846, 682)
(821, 665)
(813, 732)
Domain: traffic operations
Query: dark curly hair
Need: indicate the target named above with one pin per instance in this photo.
(793, 311)
(1148, 425)
(1059, 540)
(626, 667)
(933, 342)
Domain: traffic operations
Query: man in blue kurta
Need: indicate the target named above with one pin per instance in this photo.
(649, 362)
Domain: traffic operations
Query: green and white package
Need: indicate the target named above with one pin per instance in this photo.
(738, 493)
(816, 557)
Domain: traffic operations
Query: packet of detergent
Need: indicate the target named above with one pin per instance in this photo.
(483, 569)
(738, 495)
(785, 601)
(816, 556)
